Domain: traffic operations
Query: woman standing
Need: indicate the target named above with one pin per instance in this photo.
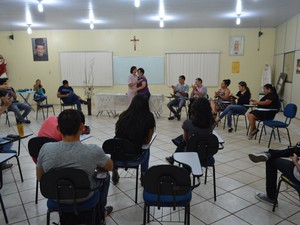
(132, 82)
(142, 85)
(243, 97)
(136, 124)
(269, 101)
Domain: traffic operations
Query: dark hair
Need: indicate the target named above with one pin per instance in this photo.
(142, 70)
(227, 82)
(244, 84)
(270, 86)
(182, 77)
(136, 121)
(132, 69)
(201, 114)
(69, 122)
(199, 79)
(82, 117)
(65, 82)
(3, 80)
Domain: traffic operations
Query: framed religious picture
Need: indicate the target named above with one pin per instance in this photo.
(40, 49)
(236, 45)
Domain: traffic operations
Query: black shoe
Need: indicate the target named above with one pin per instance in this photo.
(230, 129)
(178, 117)
(170, 160)
(27, 121)
(83, 102)
(115, 177)
(171, 118)
(108, 210)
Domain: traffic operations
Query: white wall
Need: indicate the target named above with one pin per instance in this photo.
(23, 71)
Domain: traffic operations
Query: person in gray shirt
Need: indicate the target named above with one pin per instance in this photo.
(71, 153)
(180, 93)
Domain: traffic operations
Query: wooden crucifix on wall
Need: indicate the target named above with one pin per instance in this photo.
(134, 42)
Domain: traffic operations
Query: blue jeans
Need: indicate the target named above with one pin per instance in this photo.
(177, 102)
(72, 99)
(231, 110)
(17, 107)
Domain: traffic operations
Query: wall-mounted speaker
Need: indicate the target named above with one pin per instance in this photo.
(11, 37)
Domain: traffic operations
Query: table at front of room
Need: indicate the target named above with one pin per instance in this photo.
(112, 102)
(25, 96)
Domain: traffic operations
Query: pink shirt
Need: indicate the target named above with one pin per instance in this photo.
(49, 129)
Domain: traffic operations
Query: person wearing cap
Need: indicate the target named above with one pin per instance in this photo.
(39, 50)
(67, 95)
(15, 106)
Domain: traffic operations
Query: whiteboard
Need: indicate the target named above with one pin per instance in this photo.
(153, 66)
(82, 68)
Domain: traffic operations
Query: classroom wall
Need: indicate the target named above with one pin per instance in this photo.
(288, 40)
(23, 71)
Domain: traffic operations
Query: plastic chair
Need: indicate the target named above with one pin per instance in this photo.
(63, 105)
(34, 146)
(167, 186)
(206, 146)
(40, 105)
(123, 154)
(72, 185)
(295, 185)
(289, 112)
(1, 200)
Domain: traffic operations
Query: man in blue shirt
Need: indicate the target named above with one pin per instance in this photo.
(67, 95)
(180, 92)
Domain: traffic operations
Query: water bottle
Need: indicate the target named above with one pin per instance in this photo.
(20, 128)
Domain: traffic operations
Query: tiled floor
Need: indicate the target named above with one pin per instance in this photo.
(237, 180)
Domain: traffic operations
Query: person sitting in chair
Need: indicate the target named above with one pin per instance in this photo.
(15, 106)
(201, 122)
(70, 152)
(39, 94)
(67, 95)
(274, 163)
(269, 101)
(180, 92)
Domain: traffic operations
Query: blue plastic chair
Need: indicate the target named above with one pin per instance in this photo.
(290, 111)
(167, 186)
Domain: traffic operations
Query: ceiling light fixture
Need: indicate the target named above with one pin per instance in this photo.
(92, 26)
(161, 13)
(40, 6)
(238, 20)
(137, 3)
(29, 30)
(161, 23)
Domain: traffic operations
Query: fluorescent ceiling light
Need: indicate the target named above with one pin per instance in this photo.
(161, 23)
(29, 30)
(92, 26)
(238, 9)
(137, 3)
(238, 20)
(40, 6)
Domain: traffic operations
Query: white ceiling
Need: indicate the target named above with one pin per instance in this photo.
(122, 14)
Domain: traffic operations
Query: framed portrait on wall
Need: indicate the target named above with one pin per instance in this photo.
(39, 49)
(236, 45)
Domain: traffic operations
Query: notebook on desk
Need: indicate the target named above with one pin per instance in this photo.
(147, 146)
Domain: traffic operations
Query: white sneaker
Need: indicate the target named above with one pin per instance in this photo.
(259, 157)
(264, 198)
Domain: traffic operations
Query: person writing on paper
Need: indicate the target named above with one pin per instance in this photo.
(222, 97)
(136, 124)
(275, 162)
(142, 85)
(201, 122)
(243, 97)
(270, 102)
(132, 82)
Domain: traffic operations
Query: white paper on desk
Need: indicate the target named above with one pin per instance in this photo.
(83, 137)
(147, 146)
(266, 110)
